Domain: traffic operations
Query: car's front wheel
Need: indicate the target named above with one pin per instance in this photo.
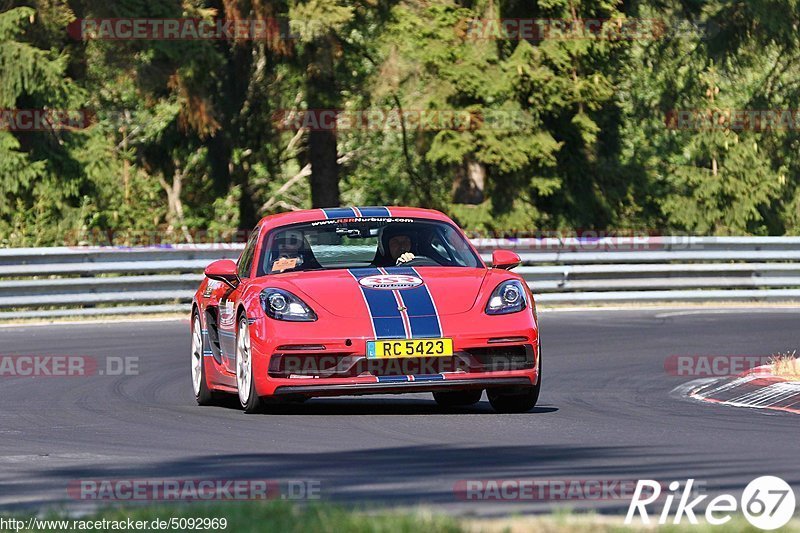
(518, 399)
(248, 398)
(202, 394)
(457, 398)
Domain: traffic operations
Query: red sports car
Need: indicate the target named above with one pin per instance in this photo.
(365, 300)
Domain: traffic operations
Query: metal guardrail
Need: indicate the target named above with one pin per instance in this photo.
(64, 281)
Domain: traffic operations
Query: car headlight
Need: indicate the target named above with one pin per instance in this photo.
(283, 305)
(508, 297)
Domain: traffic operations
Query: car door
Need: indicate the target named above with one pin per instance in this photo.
(228, 305)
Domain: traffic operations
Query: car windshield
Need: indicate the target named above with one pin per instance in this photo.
(354, 243)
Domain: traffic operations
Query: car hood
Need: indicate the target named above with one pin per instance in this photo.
(453, 290)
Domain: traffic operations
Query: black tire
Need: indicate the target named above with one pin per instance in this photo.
(518, 399)
(252, 403)
(203, 395)
(457, 398)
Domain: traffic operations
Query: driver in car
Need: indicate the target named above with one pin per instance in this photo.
(289, 246)
(398, 246)
(292, 252)
(400, 249)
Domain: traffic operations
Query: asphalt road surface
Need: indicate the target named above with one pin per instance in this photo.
(607, 412)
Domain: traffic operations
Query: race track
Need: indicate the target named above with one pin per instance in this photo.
(607, 411)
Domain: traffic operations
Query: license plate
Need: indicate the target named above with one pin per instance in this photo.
(409, 348)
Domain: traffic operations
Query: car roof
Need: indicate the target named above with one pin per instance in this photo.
(312, 215)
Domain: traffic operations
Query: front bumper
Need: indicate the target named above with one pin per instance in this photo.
(340, 370)
(489, 352)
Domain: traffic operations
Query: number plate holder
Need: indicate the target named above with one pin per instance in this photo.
(405, 348)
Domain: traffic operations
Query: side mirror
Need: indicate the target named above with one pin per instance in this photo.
(505, 259)
(223, 270)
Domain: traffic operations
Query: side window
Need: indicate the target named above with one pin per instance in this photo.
(246, 260)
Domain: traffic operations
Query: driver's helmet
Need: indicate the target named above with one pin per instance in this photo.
(387, 232)
(290, 244)
(290, 240)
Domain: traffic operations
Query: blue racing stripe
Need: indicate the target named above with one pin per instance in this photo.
(421, 310)
(374, 211)
(382, 307)
(392, 379)
(389, 328)
(402, 271)
(421, 313)
(339, 212)
(364, 272)
(429, 377)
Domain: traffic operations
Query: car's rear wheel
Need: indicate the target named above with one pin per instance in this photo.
(202, 393)
(248, 398)
(457, 398)
(518, 399)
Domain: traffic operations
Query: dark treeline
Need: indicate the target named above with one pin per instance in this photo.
(657, 115)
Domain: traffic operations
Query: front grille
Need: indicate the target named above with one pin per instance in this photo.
(284, 365)
(518, 357)
(343, 365)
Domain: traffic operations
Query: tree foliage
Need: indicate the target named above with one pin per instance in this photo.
(561, 132)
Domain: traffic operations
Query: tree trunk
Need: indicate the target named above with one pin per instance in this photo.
(470, 183)
(248, 211)
(322, 93)
(175, 214)
(324, 169)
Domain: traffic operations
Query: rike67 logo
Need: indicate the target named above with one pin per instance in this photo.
(768, 502)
